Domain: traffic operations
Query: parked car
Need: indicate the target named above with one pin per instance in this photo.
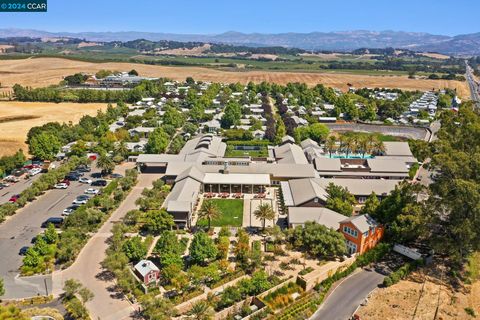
(4, 184)
(83, 168)
(78, 173)
(66, 181)
(23, 250)
(81, 199)
(69, 210)
(34, 172)
(14, 198)
(116, 175)
(11, 179)
(18, 172)
(61, 185)
(72, 177)
(99, 183)
(85, 180)
(92, 191)
(56, 221)
(96, 175)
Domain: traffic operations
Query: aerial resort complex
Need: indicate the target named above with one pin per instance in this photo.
(272, 172)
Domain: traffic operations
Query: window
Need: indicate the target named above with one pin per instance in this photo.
(362, 199)
(351, 247)
(315, 200)
(350, 231)
(365, 234)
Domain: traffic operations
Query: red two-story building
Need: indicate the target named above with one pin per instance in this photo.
(361, 233)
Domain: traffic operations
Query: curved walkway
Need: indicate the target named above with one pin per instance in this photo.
(107, 304)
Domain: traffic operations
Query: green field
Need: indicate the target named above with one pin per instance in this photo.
(231, 213)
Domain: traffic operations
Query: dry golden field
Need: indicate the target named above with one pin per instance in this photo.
(409, 299)
(47, 71)
(16, 118)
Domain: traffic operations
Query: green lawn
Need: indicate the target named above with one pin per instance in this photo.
(231, 213)
(261, 147)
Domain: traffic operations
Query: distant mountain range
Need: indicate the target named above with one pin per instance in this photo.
(468, 44)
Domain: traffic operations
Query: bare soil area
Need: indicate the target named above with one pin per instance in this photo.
(418, 299)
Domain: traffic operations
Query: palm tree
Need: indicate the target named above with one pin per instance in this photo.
(105, 163)
(264, 212)
(121, 149)
(363, 145)
(209, 211)
(349, 145)
(342, 140)
(379, 147)
(331, 144)
(201, 311)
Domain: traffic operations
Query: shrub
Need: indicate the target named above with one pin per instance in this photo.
(470, 312)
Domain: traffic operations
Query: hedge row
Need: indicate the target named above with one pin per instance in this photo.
(45, 182)
(401, 273)
(248, 143)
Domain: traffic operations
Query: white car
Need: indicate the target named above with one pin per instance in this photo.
(85, 180)
(69, 210)
(11, 179)
(80, 201)
(34, 171)
(91, 191)
(61, 186)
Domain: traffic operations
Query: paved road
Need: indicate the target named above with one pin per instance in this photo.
(16, 188)
(344, 300)
(106, 305)
(18, 232)
(474, 88)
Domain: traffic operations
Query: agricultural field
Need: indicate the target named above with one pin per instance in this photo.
(50, 71)
(16, 119)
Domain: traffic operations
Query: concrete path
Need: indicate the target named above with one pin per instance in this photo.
(107, 304)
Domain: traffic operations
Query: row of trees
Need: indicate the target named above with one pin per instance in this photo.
(355, 143)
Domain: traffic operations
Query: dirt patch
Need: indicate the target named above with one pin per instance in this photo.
(435, 55)
(46, 71)
(186, 52)
(21, 116)
(88, 44)
(17, 118)
(418, 298)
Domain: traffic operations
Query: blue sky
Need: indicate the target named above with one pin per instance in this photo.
(449, 17)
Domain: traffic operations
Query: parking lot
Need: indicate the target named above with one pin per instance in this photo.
(16, 188)
(19, 230)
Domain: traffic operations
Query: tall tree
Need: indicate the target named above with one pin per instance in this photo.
(202, 248)
(157, 141)
(44, 146)
(331, 144)
(340, 199)
(209, 211)
(264, 212)
(105, 163)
